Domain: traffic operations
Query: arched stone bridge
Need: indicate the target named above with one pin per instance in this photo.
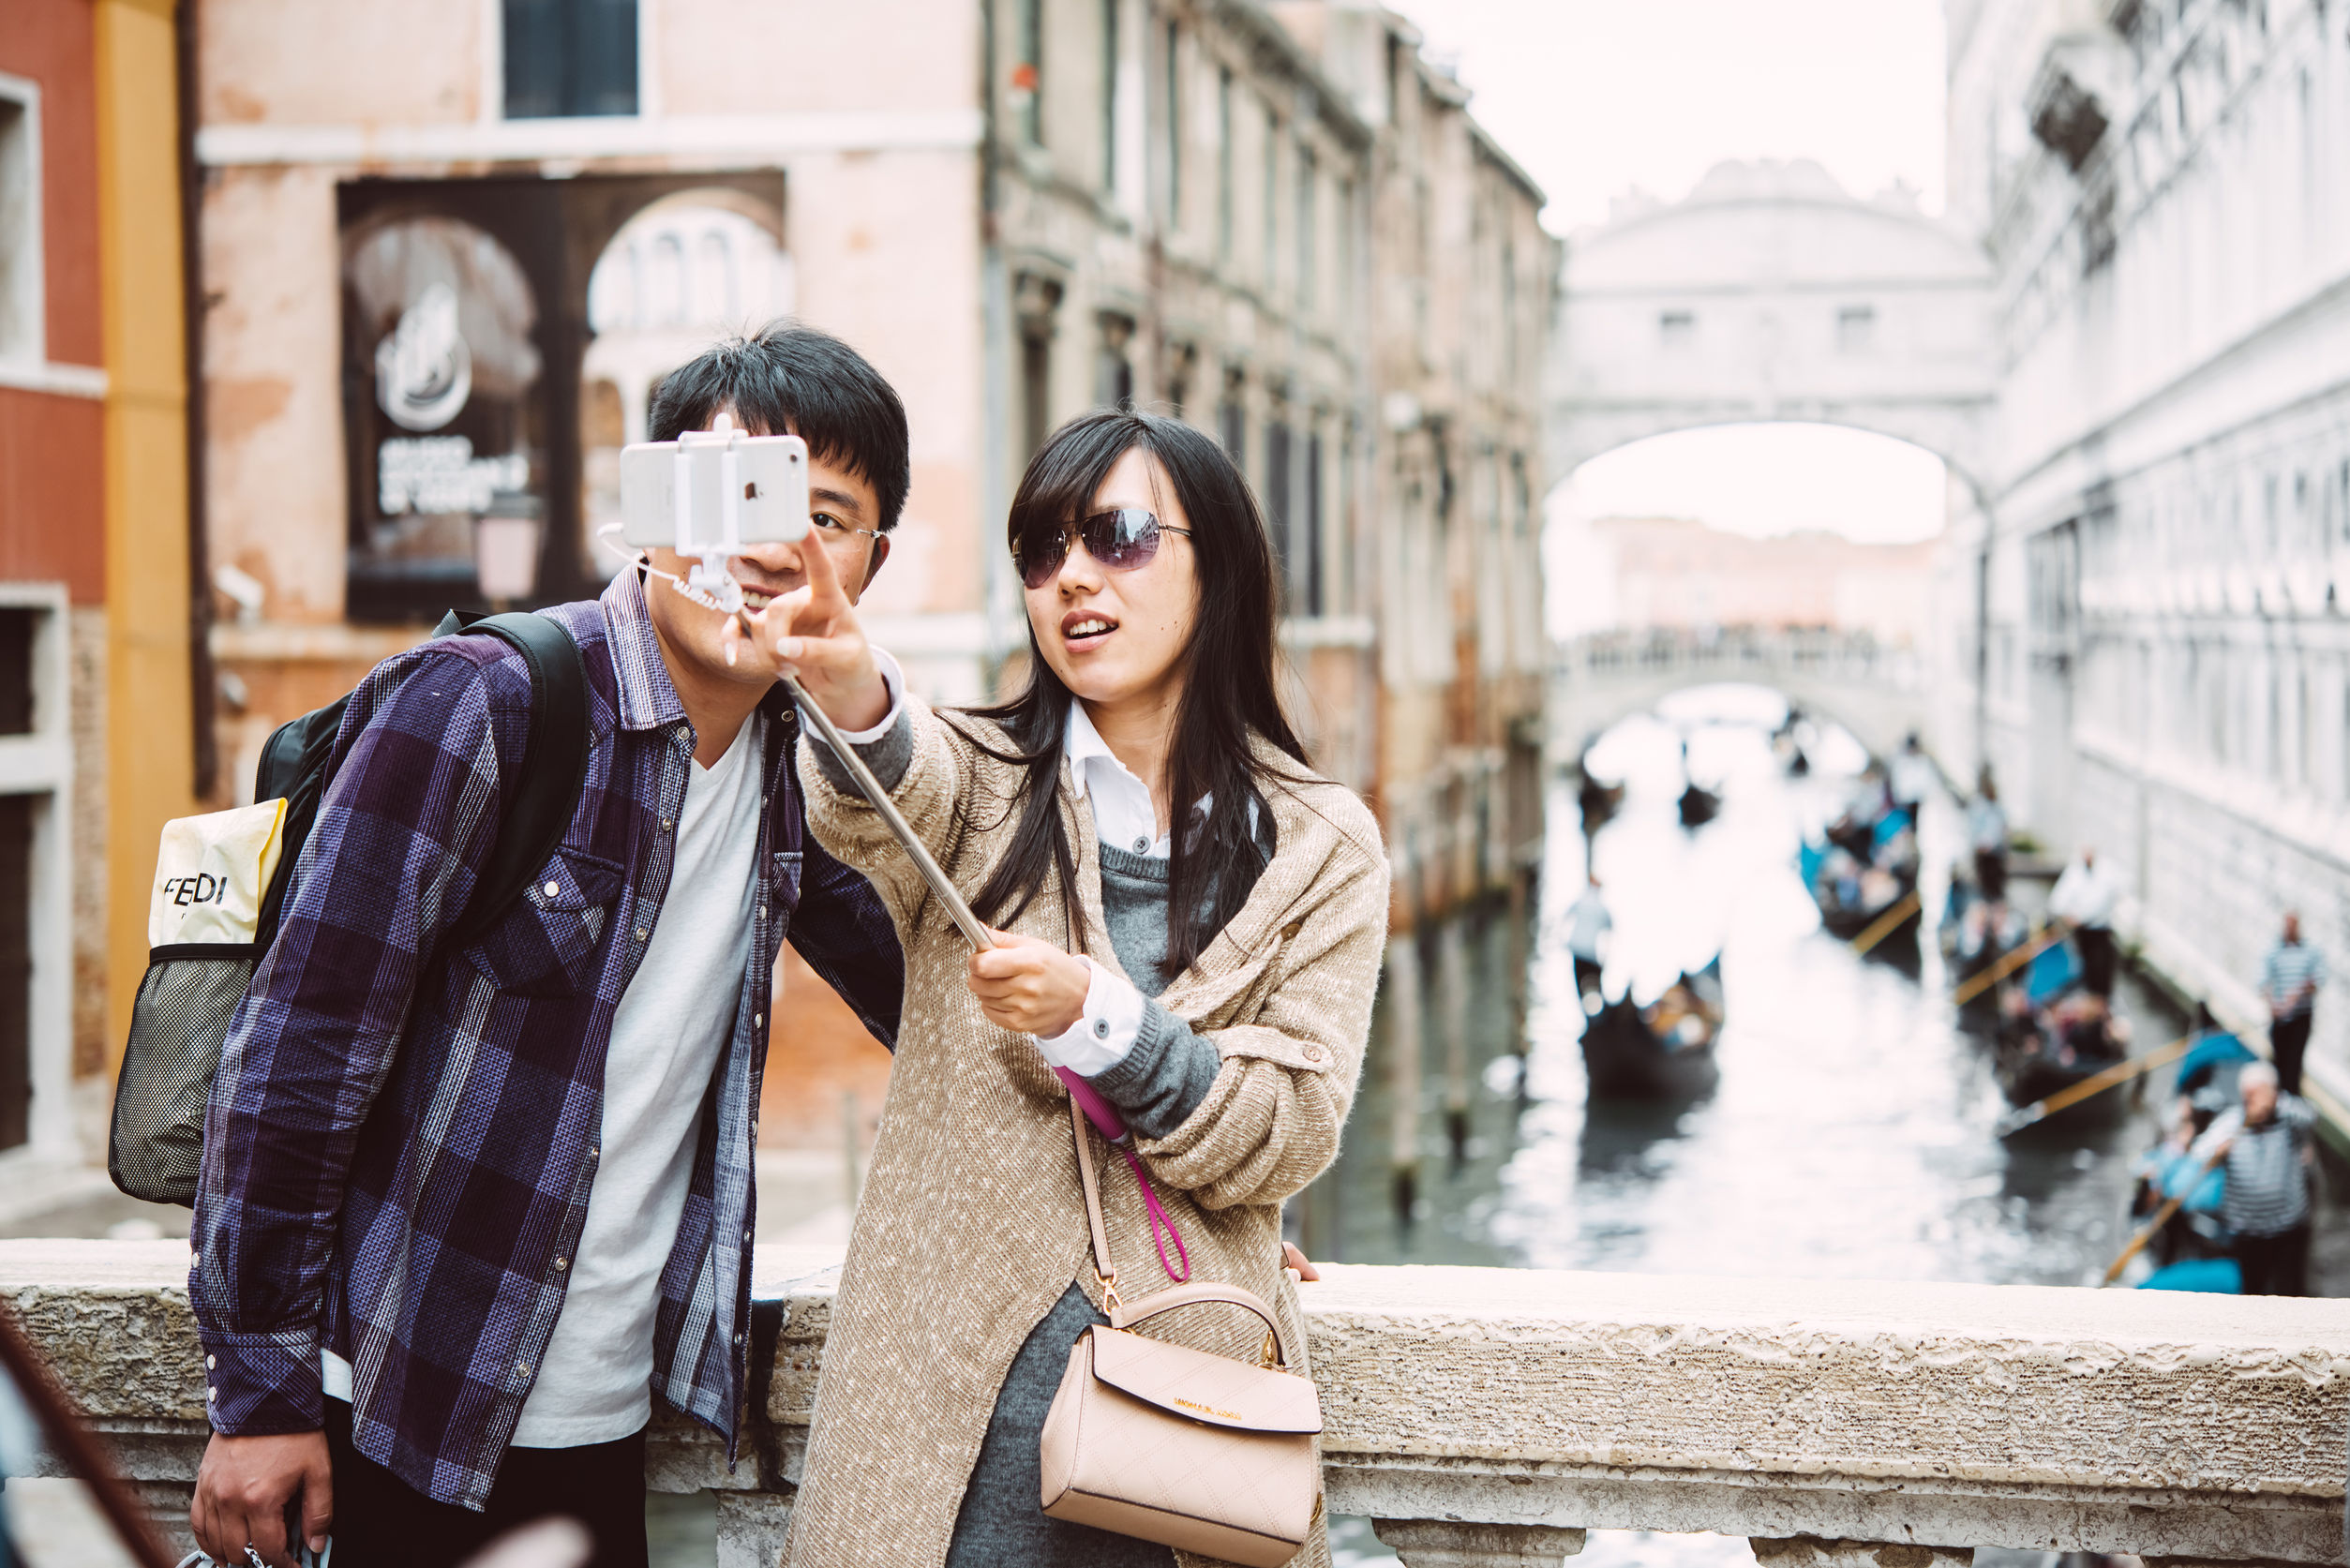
(1874, 691)
(1771, 294)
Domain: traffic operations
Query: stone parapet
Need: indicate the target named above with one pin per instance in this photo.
(1487, 1417)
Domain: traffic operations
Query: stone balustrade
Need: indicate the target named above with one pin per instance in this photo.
(1484, 1417)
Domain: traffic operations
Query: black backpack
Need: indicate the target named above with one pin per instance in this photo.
(191, 990)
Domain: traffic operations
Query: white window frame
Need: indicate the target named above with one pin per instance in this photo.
(32, 284)
(41, 764)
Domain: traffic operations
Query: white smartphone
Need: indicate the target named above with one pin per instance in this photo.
(740, 489)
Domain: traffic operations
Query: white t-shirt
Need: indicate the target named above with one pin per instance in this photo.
(595, 1377)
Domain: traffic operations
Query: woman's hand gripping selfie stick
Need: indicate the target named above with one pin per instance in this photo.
(1100, 1111)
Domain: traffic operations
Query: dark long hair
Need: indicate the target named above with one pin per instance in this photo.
(1228, 691)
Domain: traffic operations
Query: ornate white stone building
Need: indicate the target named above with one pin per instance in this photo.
(2148, 603)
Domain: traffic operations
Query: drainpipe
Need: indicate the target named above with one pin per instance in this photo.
(997, 604)
(203, 681)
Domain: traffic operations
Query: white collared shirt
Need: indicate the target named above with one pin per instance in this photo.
(1122, 815)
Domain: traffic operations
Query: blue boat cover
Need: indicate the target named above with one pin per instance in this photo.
(2213, 1050)
(2055, 971)
(1809, 858)
(1889, 825)
(2211, 1275)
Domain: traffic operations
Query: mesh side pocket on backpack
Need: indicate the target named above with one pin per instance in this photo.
(186, 1000)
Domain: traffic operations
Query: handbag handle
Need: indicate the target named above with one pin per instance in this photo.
(1121, 1316)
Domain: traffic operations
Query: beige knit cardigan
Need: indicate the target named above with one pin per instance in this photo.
(972, 1223)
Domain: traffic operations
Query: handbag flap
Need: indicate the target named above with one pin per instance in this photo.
(1202, 1387)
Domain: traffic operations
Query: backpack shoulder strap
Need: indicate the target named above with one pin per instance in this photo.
(554, 766)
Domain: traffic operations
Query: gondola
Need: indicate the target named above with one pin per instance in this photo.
(1699, 806)
(1854, 897)
(1976, 938)
(1662, 1051)
(2042, 1047)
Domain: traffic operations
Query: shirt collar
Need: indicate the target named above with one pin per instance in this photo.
(1081, 743)
(647, 698)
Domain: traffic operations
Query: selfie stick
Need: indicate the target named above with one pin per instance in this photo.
(1100, 1111)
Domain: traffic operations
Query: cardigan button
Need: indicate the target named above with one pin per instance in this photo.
(1315, 1054)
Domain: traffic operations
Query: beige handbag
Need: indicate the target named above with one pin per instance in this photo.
(1196, 1451)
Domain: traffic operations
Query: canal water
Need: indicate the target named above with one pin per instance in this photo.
(1851, 1133)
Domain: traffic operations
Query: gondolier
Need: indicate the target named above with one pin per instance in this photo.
(2084, 899)
(2267, 1202)
(2289, 981)
(1588, 925)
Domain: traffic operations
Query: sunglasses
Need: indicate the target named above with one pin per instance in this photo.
(1122, 540)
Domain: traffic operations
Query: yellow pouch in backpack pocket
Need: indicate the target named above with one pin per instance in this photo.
(212, 872)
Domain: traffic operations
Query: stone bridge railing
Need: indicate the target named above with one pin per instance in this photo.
(1489, 1417)
(1875, 689)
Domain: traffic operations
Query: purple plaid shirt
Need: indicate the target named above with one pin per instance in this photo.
(401, 1140)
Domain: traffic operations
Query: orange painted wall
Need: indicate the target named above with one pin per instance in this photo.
(52, 523)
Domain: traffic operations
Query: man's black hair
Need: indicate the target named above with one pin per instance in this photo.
(790, 377)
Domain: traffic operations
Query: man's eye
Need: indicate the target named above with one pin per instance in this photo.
(825, 521)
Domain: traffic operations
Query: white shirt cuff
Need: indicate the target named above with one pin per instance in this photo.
(1103, 1033)
(894, 678)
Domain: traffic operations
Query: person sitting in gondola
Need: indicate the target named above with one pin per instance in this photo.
(2170, 1170)
(2087, 1030)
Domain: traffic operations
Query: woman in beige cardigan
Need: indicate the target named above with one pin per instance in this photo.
(1146, 771)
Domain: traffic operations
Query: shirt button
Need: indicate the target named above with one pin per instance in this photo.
(196, 1260)
(1142, 846)
(746, 1235)
(762, 912)
(758, 1020)
(552, 890)
(738, 1336)
(561, 1263)
(642, 935)
(595, 1154)
(667, 825)
(211, 1362)
(1101, 1028)
(523, 1368)
(211, 1394)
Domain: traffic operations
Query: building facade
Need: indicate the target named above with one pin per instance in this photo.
(97, 744)
(1282, 227)
(2145, 625)
(446, 250)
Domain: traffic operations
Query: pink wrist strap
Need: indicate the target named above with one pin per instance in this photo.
(1158, 1216)
(1112, 1125)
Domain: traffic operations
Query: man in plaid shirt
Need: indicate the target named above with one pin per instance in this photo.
(463, 1213)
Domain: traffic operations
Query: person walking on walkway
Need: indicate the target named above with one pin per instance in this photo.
(1986, 832)
(2289, 981)
(1192, 925)
(465, 1214)
(2267, 1202)
(2084, 899)
(1588, 927)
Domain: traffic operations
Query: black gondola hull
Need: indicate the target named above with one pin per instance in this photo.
(1625, 1060)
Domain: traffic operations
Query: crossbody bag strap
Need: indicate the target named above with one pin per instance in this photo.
(1104, 1269)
